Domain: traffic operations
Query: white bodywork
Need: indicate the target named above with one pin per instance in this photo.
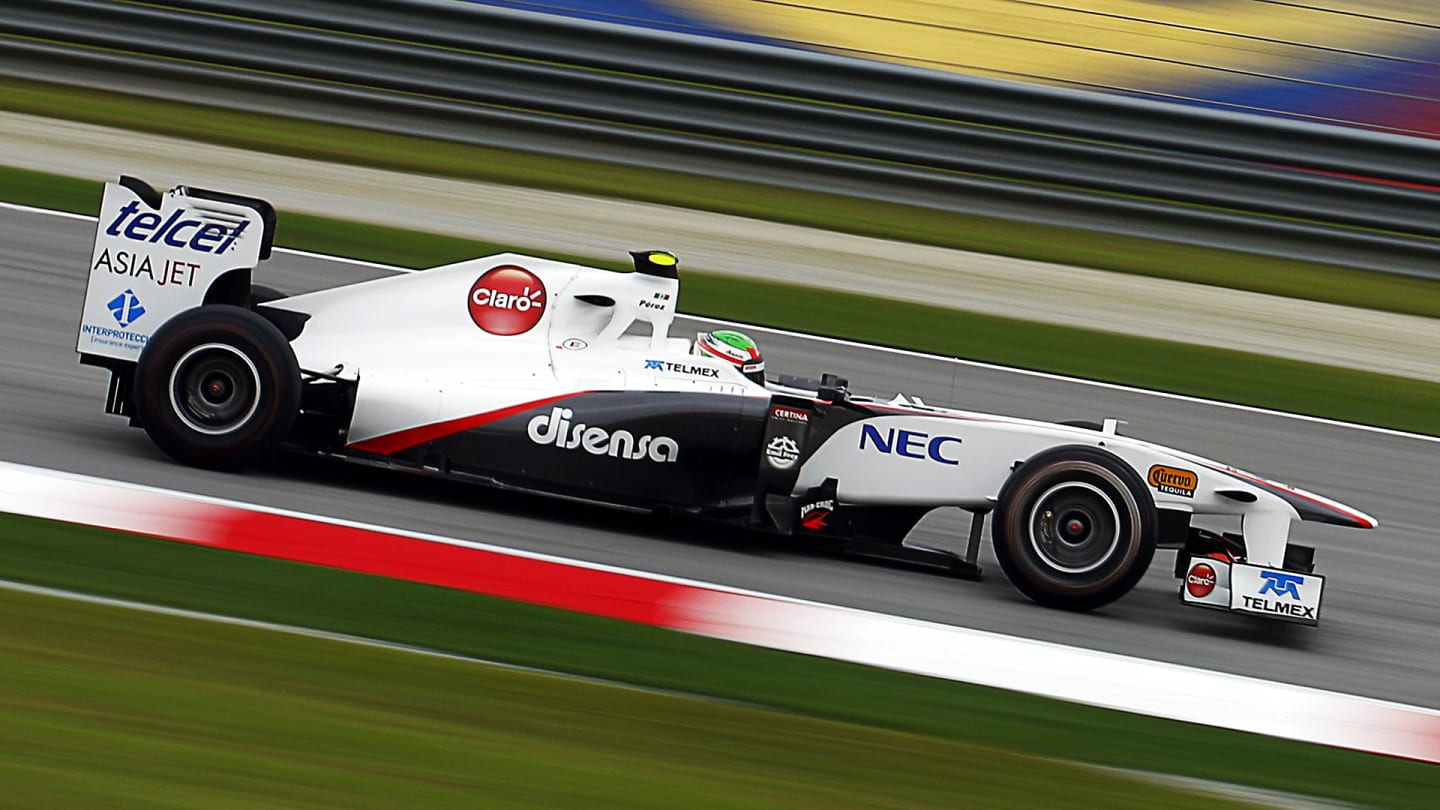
(448, 367)
(507, 334)
(989, 447)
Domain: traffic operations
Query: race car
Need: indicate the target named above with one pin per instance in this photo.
(522, 372)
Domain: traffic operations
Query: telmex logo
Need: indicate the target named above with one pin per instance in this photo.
(908, 443)
(1281, 584)
(1284, 586)
(1201, 580)
(206, 237)
(507, 300)
(681, 368)
(1173, 481)
(555, 428)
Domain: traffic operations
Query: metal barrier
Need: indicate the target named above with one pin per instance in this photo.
(480, 74)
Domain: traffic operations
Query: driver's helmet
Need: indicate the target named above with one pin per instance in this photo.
(735, 348)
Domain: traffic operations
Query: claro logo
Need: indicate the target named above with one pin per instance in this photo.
(555, 428)
(1173, 481)
(507, 300)
(1201, 580)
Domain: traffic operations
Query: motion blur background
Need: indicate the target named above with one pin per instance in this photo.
(1361, 63)
(1232, 199)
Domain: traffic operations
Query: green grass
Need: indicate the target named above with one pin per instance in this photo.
(200, 578)
(115, 708)
(1252, 379)
(893, 221)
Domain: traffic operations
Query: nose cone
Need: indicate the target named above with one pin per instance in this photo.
(1321, 509)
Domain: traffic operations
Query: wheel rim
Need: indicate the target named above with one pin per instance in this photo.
(1074, 527)
(214, 389)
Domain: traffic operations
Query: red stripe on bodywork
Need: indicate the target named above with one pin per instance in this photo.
(1361, 521)
(410, 437)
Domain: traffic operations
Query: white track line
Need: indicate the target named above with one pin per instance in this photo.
(346, 638)
(1107, 680)
(1316, 420)
(1244, 793)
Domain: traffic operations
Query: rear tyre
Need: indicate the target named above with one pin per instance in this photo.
(217, 386)
(1075, 528)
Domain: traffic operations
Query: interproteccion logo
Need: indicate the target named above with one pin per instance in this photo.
(125, 308)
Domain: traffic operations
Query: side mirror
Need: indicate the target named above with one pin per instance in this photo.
(833, 388)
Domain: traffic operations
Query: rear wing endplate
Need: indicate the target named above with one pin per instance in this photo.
(159, 254)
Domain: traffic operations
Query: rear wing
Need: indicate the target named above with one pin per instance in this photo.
(157, 255)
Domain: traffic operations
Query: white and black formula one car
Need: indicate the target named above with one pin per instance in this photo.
(528, 373)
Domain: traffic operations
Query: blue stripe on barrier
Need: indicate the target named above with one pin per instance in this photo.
(644, 13)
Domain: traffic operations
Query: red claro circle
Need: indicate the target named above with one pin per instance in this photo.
(507, 300)
(1201, 580)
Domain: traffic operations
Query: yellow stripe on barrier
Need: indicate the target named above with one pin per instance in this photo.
(1120, 43)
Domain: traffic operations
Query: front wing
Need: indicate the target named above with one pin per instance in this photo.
(1253, 589)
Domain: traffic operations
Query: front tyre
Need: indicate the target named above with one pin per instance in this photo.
(1075, 528)
(217, 386)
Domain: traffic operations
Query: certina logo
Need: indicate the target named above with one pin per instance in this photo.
(782, 452)
(178, 230)
(1201, 580)
(126, 308)
(555, 428)
(910, 444)
(1173, 481)
(1282, 586)
(681, 368)
(507, 300)
(789, 414)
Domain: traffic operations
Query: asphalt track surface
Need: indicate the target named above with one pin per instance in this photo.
(1380, 632)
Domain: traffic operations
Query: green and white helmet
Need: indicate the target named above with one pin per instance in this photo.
(733, 347)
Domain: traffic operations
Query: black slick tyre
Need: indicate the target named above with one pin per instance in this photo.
(217, 386)
(1075, 528)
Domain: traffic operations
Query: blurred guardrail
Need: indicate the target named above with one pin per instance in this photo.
(1357, 62)
(480, 74)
